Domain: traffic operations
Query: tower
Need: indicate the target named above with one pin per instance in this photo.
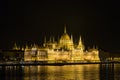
(80, 44)
(65, 41)
(15, 47)
(65, 29)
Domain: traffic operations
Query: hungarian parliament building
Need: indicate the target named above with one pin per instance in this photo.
(62, 50)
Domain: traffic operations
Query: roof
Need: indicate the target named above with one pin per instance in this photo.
(65, 36)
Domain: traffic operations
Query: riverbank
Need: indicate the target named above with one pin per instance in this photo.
(50, 63)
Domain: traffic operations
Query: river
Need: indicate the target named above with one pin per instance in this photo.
(66, 72)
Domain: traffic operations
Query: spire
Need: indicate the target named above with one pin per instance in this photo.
(58, 38)
(26, 46)
(80, 44)
(65, 29)
(80, 41)
(45, 39)
(71, 37)
(15, 46)
(53, 39)
(50, 39)
(34, 45)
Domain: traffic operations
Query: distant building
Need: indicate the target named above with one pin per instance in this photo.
(64, 49)
(11, 55)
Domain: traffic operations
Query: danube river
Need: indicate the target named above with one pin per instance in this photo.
(66, 72)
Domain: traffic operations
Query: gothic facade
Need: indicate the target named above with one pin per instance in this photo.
(64, 49)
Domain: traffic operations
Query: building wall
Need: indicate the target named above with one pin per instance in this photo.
(65, 50)
(45, 55)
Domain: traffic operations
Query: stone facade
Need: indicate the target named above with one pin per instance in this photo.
(64, 49)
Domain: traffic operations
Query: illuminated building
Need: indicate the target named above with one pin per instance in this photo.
(62, 50)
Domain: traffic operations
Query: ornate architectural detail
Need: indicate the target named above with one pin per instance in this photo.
(63, 49)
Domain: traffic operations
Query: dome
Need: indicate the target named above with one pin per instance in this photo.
(65, 36)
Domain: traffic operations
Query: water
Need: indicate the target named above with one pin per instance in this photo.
(66, 72)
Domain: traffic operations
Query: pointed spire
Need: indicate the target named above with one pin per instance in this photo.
(53, 39)
(65, 29)
(31, 45)
(58, 37)
(71, 37)
(93, 46)
(80, 41)
(80, 44)
(34, 45)
(15, 46)
(50, 39)
(45, 39)
(96, 47)
(80, 38)
(26, 47)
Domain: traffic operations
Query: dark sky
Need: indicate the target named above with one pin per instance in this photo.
(26, 22)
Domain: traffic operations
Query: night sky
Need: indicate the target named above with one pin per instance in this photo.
(27, 22)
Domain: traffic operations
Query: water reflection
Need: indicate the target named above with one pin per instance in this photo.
(117, 72)
(107, 72)
(11, 73)
(66, 72)
(35, 73)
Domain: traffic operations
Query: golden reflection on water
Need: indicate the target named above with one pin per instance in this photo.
(117, 72)
(66, 72)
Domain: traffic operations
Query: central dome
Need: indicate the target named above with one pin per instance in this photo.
(65, 36)
(65, 41)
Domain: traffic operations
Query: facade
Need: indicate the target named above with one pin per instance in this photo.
(62, 50)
